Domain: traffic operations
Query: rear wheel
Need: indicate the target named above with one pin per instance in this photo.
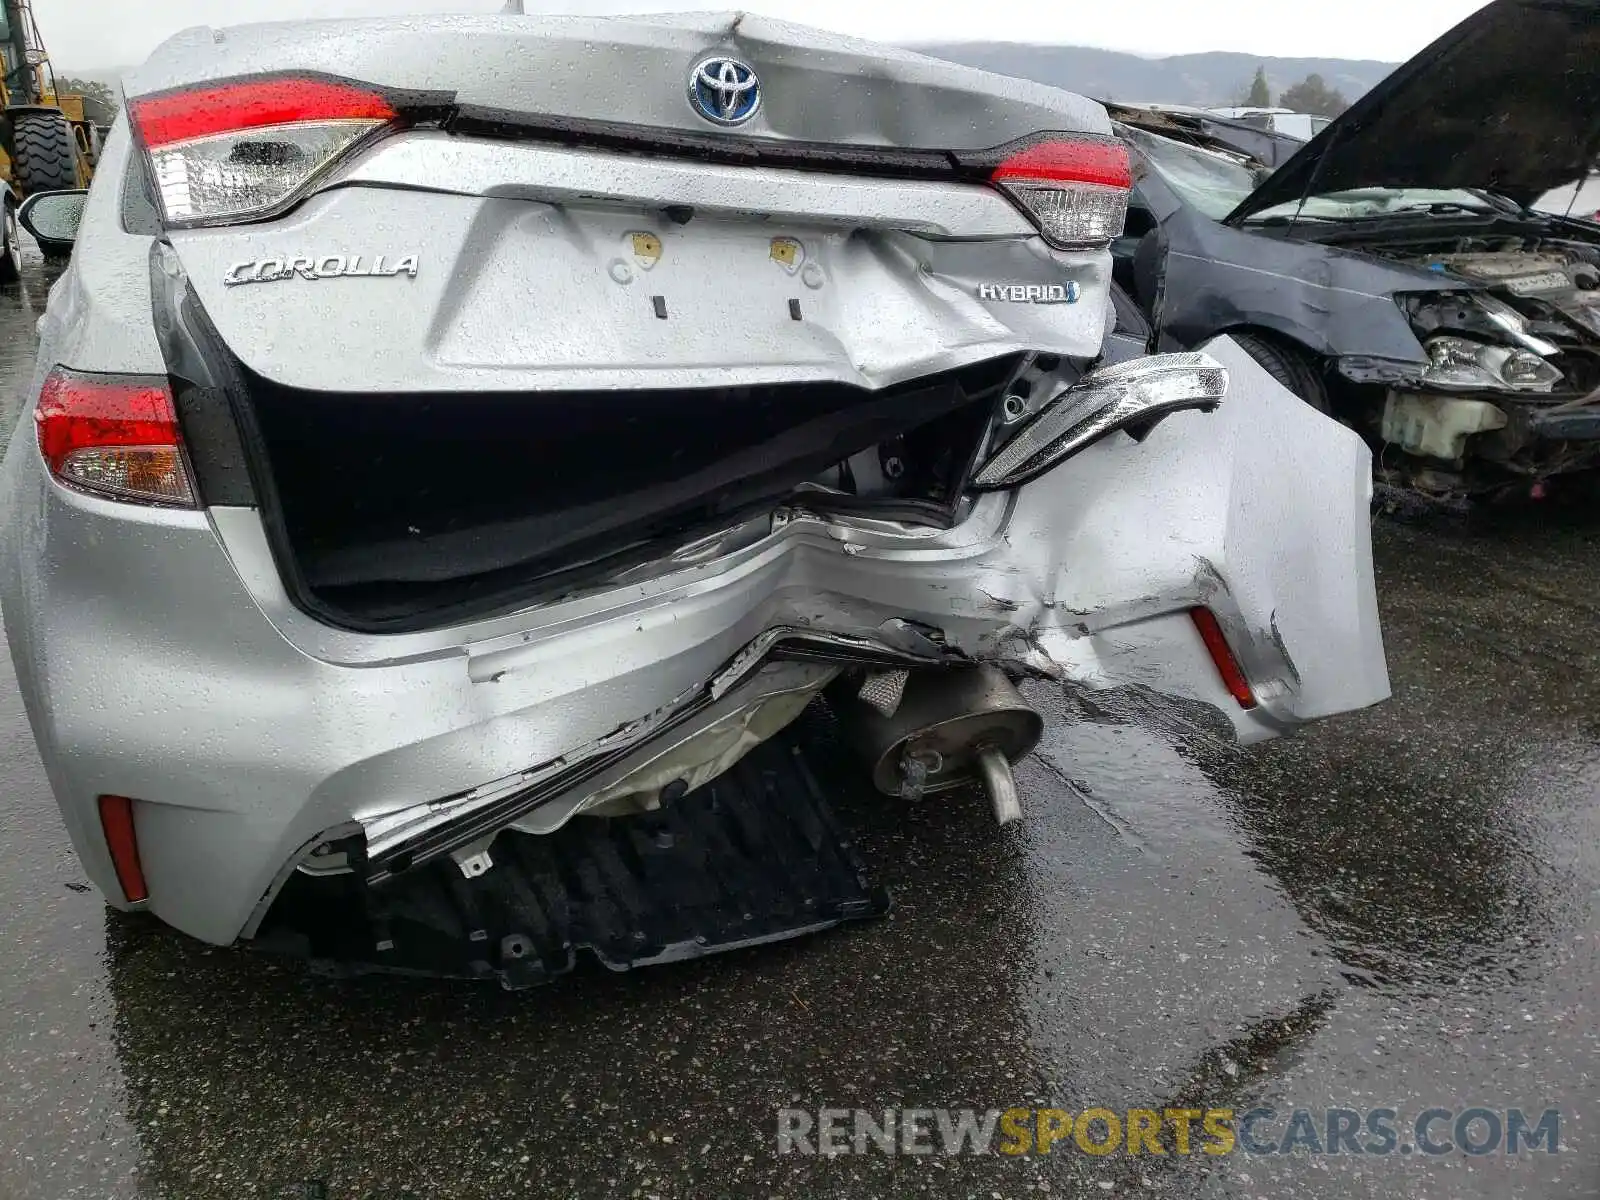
(1289, 366)
(10, 239)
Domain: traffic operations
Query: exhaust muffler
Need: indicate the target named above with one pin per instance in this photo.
(949, 728)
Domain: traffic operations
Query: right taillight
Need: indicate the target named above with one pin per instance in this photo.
(246, 149)
(1074, 187)
(115, 436)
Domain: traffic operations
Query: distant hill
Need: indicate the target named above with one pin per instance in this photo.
(1216, 78)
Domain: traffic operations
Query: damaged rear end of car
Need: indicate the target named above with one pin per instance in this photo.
(506, 471)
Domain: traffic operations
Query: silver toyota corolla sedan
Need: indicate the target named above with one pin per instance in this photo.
(453, 432)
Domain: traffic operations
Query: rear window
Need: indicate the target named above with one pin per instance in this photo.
(1209, 182)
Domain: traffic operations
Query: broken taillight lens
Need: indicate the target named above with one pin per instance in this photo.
(246, 149)
(114, 436)
(1075, 189)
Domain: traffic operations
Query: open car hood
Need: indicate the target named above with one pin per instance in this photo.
(1508, 101)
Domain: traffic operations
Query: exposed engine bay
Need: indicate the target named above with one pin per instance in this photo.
(1416, 268)
(1547, 279)
(1514, 379)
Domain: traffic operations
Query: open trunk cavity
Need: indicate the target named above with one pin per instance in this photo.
(393, 511)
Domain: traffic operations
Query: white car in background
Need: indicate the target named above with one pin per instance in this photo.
(1284, 121)
(1576, 199)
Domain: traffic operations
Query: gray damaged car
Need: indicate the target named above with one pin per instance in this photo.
(451, 485)
(1422, 269)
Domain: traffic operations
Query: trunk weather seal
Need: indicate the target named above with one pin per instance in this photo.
(657, 141)
(179, 313)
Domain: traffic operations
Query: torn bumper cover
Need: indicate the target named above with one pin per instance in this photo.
(759, 679)
(754, 856)
(426, 743)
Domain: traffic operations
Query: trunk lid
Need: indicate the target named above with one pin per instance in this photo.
(1508, 102)
(595, 71)
(557, 213)
(517, 267)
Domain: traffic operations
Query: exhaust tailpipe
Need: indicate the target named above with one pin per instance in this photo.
(950, 728)
(995, 769)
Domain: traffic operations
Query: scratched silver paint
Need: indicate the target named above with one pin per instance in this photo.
(1395, 906)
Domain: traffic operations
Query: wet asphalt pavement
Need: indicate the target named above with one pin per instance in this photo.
(1395, 909)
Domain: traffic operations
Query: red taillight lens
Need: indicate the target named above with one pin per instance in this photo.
(235, 107)
(1233, 677)
(245, 149)
(1075, 189)
(115, 436)
(1097, 162)
(116, 819)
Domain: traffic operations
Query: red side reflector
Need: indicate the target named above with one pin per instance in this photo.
(116, 818)
(1101, 162)
(1222, 654)
(231, 107)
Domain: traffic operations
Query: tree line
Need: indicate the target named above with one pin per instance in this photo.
(1310, 95)
(93, 90)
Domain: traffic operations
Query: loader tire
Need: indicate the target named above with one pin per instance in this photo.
(47, 154)
(1289, 367)
(10, 239)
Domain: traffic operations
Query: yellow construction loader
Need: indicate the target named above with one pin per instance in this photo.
(48, 142)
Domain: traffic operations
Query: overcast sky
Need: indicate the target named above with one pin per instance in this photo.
(99, 34)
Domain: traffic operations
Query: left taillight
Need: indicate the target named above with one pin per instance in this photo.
(114, 436)
(243, 150)
(1075, 188)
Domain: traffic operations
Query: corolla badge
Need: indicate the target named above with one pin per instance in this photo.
(328, 266)
(725, 91)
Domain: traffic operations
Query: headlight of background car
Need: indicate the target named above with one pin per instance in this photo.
(1456, 362)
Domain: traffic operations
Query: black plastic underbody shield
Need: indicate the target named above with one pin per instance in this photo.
(754, 856)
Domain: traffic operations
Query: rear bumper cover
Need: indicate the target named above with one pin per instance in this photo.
(160, 658)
